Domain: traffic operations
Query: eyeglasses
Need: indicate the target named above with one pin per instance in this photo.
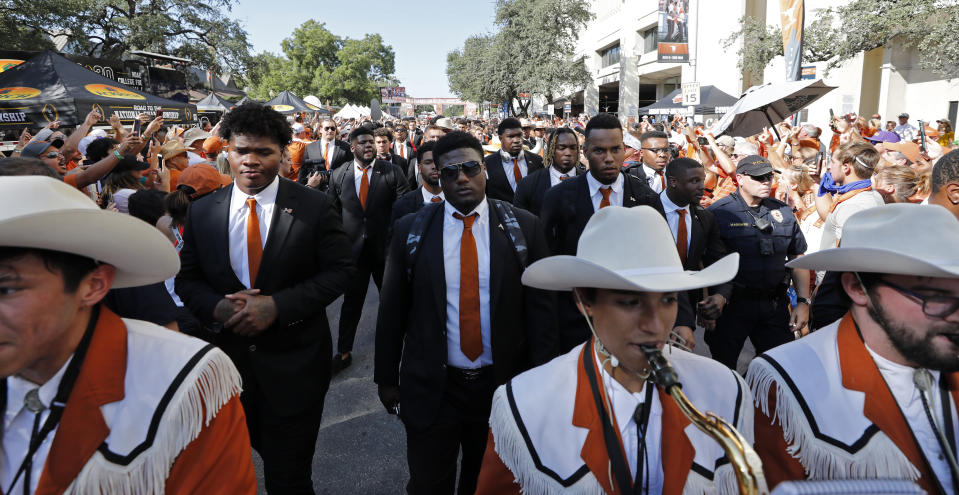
(935, 306)
(763, 178)
(658, 151)
(451, 172)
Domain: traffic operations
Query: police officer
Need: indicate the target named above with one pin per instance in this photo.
(766, 235)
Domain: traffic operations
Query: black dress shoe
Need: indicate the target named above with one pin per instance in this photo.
(340, 363)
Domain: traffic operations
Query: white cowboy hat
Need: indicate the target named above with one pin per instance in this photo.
(44, 213)
(628, 249)
(904, 239)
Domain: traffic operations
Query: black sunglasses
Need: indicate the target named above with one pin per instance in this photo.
(935, 306)
(657, 151)
(451, 172)
(762, 178)
(329, 128)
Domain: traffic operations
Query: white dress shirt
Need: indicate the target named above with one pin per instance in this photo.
(17, 427)
(428, 196)
(508, 166)
(265, 203)
(652, 178)
(358, 175)
(624, 406)
(452, 237)
(615, 198)
(672, 218)
(899, 380)
(555, 176)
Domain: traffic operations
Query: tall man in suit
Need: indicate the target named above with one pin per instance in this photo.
(383, 142)
(562, 163)
(433, 133)
(401, 143)
(696, 235)
(261, 259)
(326, 153)
(455, 321)
(363, 192)
(655, 155)
(568, 206)
(429, 192)
(508, 167)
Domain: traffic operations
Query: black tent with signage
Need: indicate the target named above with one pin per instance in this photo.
(50, 87)
(213, 103)
(713, 101)
(287, 103)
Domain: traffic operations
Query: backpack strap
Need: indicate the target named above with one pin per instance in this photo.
(421, 222)
(507, 216)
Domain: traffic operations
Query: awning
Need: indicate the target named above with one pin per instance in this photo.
(712, 101)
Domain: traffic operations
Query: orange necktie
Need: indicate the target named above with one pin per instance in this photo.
(326, 150)
(605, 191)
(681, 236)
(471, 333)
(436, 199)
(364, 187)
(254, 244)
(662, 179)
(517, 174)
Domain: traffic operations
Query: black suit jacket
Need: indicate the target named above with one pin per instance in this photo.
(705, 248)
(405, 145)
(314, 151)
(566, 209)
(305, 266)
(399, 161)
(411, 341)
(497, 185)
(531, 190)
(367, 229)
(411, 202)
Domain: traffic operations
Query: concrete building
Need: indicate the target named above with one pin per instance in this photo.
(620, 46)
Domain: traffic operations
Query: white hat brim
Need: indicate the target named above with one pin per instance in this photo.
(141, 254)
(874, 260)
(562, 273)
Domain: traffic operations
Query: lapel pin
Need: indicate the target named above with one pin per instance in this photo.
(632, 198)
(501, 227)
(288, 211)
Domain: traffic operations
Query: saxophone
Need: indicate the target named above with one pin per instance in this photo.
(745, 461)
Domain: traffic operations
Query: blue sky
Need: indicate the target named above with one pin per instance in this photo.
(421, 32)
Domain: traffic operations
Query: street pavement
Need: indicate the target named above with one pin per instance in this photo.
(361, 448)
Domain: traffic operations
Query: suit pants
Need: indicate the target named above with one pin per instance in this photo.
(764, 319)
(462, 425)
(285, 442)
(355, 295)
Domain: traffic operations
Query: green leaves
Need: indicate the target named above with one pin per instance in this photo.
(320, 63)
(533, 51)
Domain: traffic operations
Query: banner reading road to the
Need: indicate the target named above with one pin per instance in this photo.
(673, 32)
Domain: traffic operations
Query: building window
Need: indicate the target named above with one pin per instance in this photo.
(649, 39)
(609, 55)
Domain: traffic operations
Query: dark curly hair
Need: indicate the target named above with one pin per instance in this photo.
(99, 149)
(603, 121)
(253, 119)
(945, 170)
(362, 130)
(507, 124)
(383, 132)
(455, 140)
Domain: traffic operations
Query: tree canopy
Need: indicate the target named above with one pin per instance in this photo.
(194, 29)
(316, 61)
(840, 33)
(532, 51)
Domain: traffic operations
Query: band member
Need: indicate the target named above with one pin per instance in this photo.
(590, 421)
(873, 395)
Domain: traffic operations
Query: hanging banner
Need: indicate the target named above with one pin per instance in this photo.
(792, 13)
(673, 31)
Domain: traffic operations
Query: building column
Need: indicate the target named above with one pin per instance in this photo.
(591, 99)
(629, 75)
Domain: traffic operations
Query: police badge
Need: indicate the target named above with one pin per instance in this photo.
(777, 215)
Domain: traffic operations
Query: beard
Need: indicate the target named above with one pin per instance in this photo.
(919, 349)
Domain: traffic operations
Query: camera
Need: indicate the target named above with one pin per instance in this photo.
(702, 141)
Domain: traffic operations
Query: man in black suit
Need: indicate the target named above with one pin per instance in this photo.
(261, 260)
(508, 167)
(696, 234)
(455, 321)
(401, 143)
(433, 133)
(363, 192)
(326, 153)
(568, 206)
(562, 163)
(383, 142)
(429, 192)
(655, 155)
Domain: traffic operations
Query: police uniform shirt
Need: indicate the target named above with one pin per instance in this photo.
(763, 255)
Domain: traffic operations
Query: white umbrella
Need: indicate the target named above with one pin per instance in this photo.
(312, 100)
(766, 105)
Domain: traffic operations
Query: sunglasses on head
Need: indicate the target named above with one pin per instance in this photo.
(451, 172)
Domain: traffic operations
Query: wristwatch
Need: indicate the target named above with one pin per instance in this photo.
(802, 300)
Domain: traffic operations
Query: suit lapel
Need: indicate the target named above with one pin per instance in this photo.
(82, 428)
(698, 236)
(583, 204)
(283, 210)
(859, 372)
(433, 256)
(220, 222)
(629, 195)
(499, 248)
(376, 176)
